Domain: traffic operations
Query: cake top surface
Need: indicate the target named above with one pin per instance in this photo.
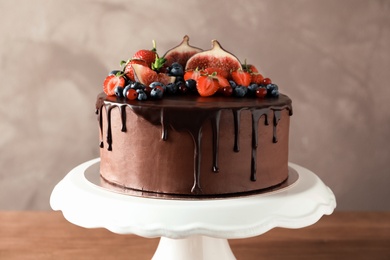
(190, 72)
(199, 102)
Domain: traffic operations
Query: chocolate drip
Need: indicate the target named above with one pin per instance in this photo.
(123, 118)
(192, 120)
(236, 118)
(276, 121)
(191, 115)
(256, 114)
(197, 137)
(109, 131)
(164, 127)
(100, 119)
(215, 127)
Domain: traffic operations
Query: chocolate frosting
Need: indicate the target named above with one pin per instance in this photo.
(189, 113)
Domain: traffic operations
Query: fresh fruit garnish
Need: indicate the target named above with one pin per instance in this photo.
(216, 57)
(141, 95)
(257, 78)
(249, 68)
(175, 69)
(171, 88)
(261, 92)
(147, 75)
(191, 84)
(207, 85)
(149, 56)
(241, 77)
(156, 93)
(222, 81)
(128, 70)
(272, 90)
(266, 81)
(240, 91)
(131, 94)
(118, 91)
(144, 74)
(193, 74)
(219, 72)
(181, 53)
(111, 82)
(165, 78)
(226, 91)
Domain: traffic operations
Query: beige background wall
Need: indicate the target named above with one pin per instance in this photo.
(331, 57)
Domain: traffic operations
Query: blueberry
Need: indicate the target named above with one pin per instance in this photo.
(232, 84)
(125, 89)
(275, 93)
(156, 83)
(171, 88)
(240, 91)
(156, 93)
(191, 84)
(141, 95)
(175, 69)
(119, 91)
(252, 89)
(179, 79)
(137, 85)
(272, 90)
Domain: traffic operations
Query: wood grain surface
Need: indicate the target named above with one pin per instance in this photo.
(47, 235)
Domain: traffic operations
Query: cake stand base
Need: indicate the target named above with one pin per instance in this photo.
(193, 248)
(191, 229)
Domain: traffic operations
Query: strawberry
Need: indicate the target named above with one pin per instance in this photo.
(241, 77)
(111, 82)
(146, 55)
(149, 56)
(257, 78)
(207, 85)
(250, 68)
(222, 81)
(192, 74)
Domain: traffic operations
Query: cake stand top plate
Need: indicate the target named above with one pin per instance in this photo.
(88, 205)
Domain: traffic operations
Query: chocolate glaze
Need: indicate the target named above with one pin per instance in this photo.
(189, 113)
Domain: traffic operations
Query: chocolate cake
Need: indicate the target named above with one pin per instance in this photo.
(178, 131)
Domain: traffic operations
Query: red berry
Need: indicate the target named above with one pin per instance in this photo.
(261, 92)
(131, 94)
(182, 89)
(267, 81)
(111, 82)
(227, 91)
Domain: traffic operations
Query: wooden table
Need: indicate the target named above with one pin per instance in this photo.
(342, 235)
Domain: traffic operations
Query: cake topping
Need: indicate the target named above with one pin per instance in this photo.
(186, 69)
(181, 53)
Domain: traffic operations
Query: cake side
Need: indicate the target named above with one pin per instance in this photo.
(194, 146)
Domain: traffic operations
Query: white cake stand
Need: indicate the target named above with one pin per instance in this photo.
(191, 229)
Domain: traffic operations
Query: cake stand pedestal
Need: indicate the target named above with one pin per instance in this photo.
(191, 229)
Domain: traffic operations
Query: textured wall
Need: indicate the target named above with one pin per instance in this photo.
(331, 57)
